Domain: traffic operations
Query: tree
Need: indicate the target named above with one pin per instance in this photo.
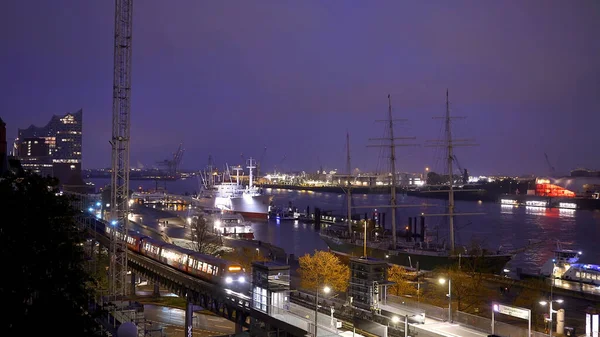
(245, 256)
(469, 291)
(529, 296)
(323, 269)
(401, 279)
(203, 240)
(45, 281)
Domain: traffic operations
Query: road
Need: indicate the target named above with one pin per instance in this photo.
(172, 320)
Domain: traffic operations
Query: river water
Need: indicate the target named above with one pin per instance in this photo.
(497, 226)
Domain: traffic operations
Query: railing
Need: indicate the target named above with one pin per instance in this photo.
(480, 323)
(430, 310)
(485, 325)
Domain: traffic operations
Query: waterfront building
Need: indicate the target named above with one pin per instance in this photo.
(54, 149)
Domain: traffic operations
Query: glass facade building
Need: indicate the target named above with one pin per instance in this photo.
(54, 149)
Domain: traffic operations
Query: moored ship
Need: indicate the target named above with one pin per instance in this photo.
(415, 253)
(231, 196)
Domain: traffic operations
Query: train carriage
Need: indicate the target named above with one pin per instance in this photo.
(151, 247)
(174, 256)
(134, 240)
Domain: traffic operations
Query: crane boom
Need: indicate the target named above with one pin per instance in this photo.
(120, 148)
(552, 170)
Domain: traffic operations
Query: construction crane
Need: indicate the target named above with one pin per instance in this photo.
(172, 165)
(552, 170)
(120, 141)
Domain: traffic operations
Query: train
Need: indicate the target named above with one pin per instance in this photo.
(212, 269)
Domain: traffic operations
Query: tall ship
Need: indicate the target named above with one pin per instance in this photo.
(227, 193)
(416, 251)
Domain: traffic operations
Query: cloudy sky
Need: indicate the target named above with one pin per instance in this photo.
(229, 78)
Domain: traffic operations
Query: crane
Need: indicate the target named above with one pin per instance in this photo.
(552, 170)
(120, 141)
(463, 172)
(172, 165)
(281, 162)
(260, 162)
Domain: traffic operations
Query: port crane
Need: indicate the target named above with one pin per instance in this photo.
(552, 170)
(260, 162)
(172, 165)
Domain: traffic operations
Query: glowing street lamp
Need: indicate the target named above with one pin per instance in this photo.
(326, 290)
(550, 311)
(443, 281)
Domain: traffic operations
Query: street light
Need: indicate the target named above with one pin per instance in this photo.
(443, 281)
(550, 311)
(326, 290)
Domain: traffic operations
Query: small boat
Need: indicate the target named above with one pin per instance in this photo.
(284, 213)
(232, 225)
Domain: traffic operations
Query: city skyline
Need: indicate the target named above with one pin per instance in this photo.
(294, 77)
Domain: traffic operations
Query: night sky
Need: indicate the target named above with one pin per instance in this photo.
(231, 77)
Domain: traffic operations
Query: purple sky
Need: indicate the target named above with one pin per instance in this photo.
(231, 77)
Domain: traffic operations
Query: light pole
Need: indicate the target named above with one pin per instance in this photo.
(326, 290)
(550, 312)
(442, 281)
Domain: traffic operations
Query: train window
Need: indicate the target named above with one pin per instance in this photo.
(209, 269)
(577, 274)
(216, 271)
(204, 267)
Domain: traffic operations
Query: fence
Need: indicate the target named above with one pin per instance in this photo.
(485, 325)
(482, 324)
(430, 310)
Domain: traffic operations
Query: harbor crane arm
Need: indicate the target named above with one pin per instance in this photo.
(552, 170)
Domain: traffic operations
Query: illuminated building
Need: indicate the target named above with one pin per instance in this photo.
(54, 149)
(546, 188)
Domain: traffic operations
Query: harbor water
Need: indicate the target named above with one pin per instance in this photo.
(495, 227)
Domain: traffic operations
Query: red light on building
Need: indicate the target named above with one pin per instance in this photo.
(551, 190)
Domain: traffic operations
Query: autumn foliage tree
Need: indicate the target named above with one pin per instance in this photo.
(323, 269)
(402, 281)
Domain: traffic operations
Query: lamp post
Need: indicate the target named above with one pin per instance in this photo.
(442, 281)
(550, 312)
(326, 290)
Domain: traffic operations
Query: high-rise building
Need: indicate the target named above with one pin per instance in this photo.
(54, 149)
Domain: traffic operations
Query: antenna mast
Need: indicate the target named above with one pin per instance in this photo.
(120, 148)
(392, 145)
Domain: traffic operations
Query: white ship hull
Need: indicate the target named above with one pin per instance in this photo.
(251, 207)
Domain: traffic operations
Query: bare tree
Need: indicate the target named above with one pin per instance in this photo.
(203, 240)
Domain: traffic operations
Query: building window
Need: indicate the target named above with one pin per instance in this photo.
(260, 299)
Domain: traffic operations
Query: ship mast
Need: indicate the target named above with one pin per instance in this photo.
(393, 164)
(349, 195)
(392, 145)
(450, 177)
(250, 167)
(449, 143)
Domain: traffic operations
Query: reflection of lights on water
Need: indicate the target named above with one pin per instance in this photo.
(506, 209)
(566, 213)
(535, 210)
